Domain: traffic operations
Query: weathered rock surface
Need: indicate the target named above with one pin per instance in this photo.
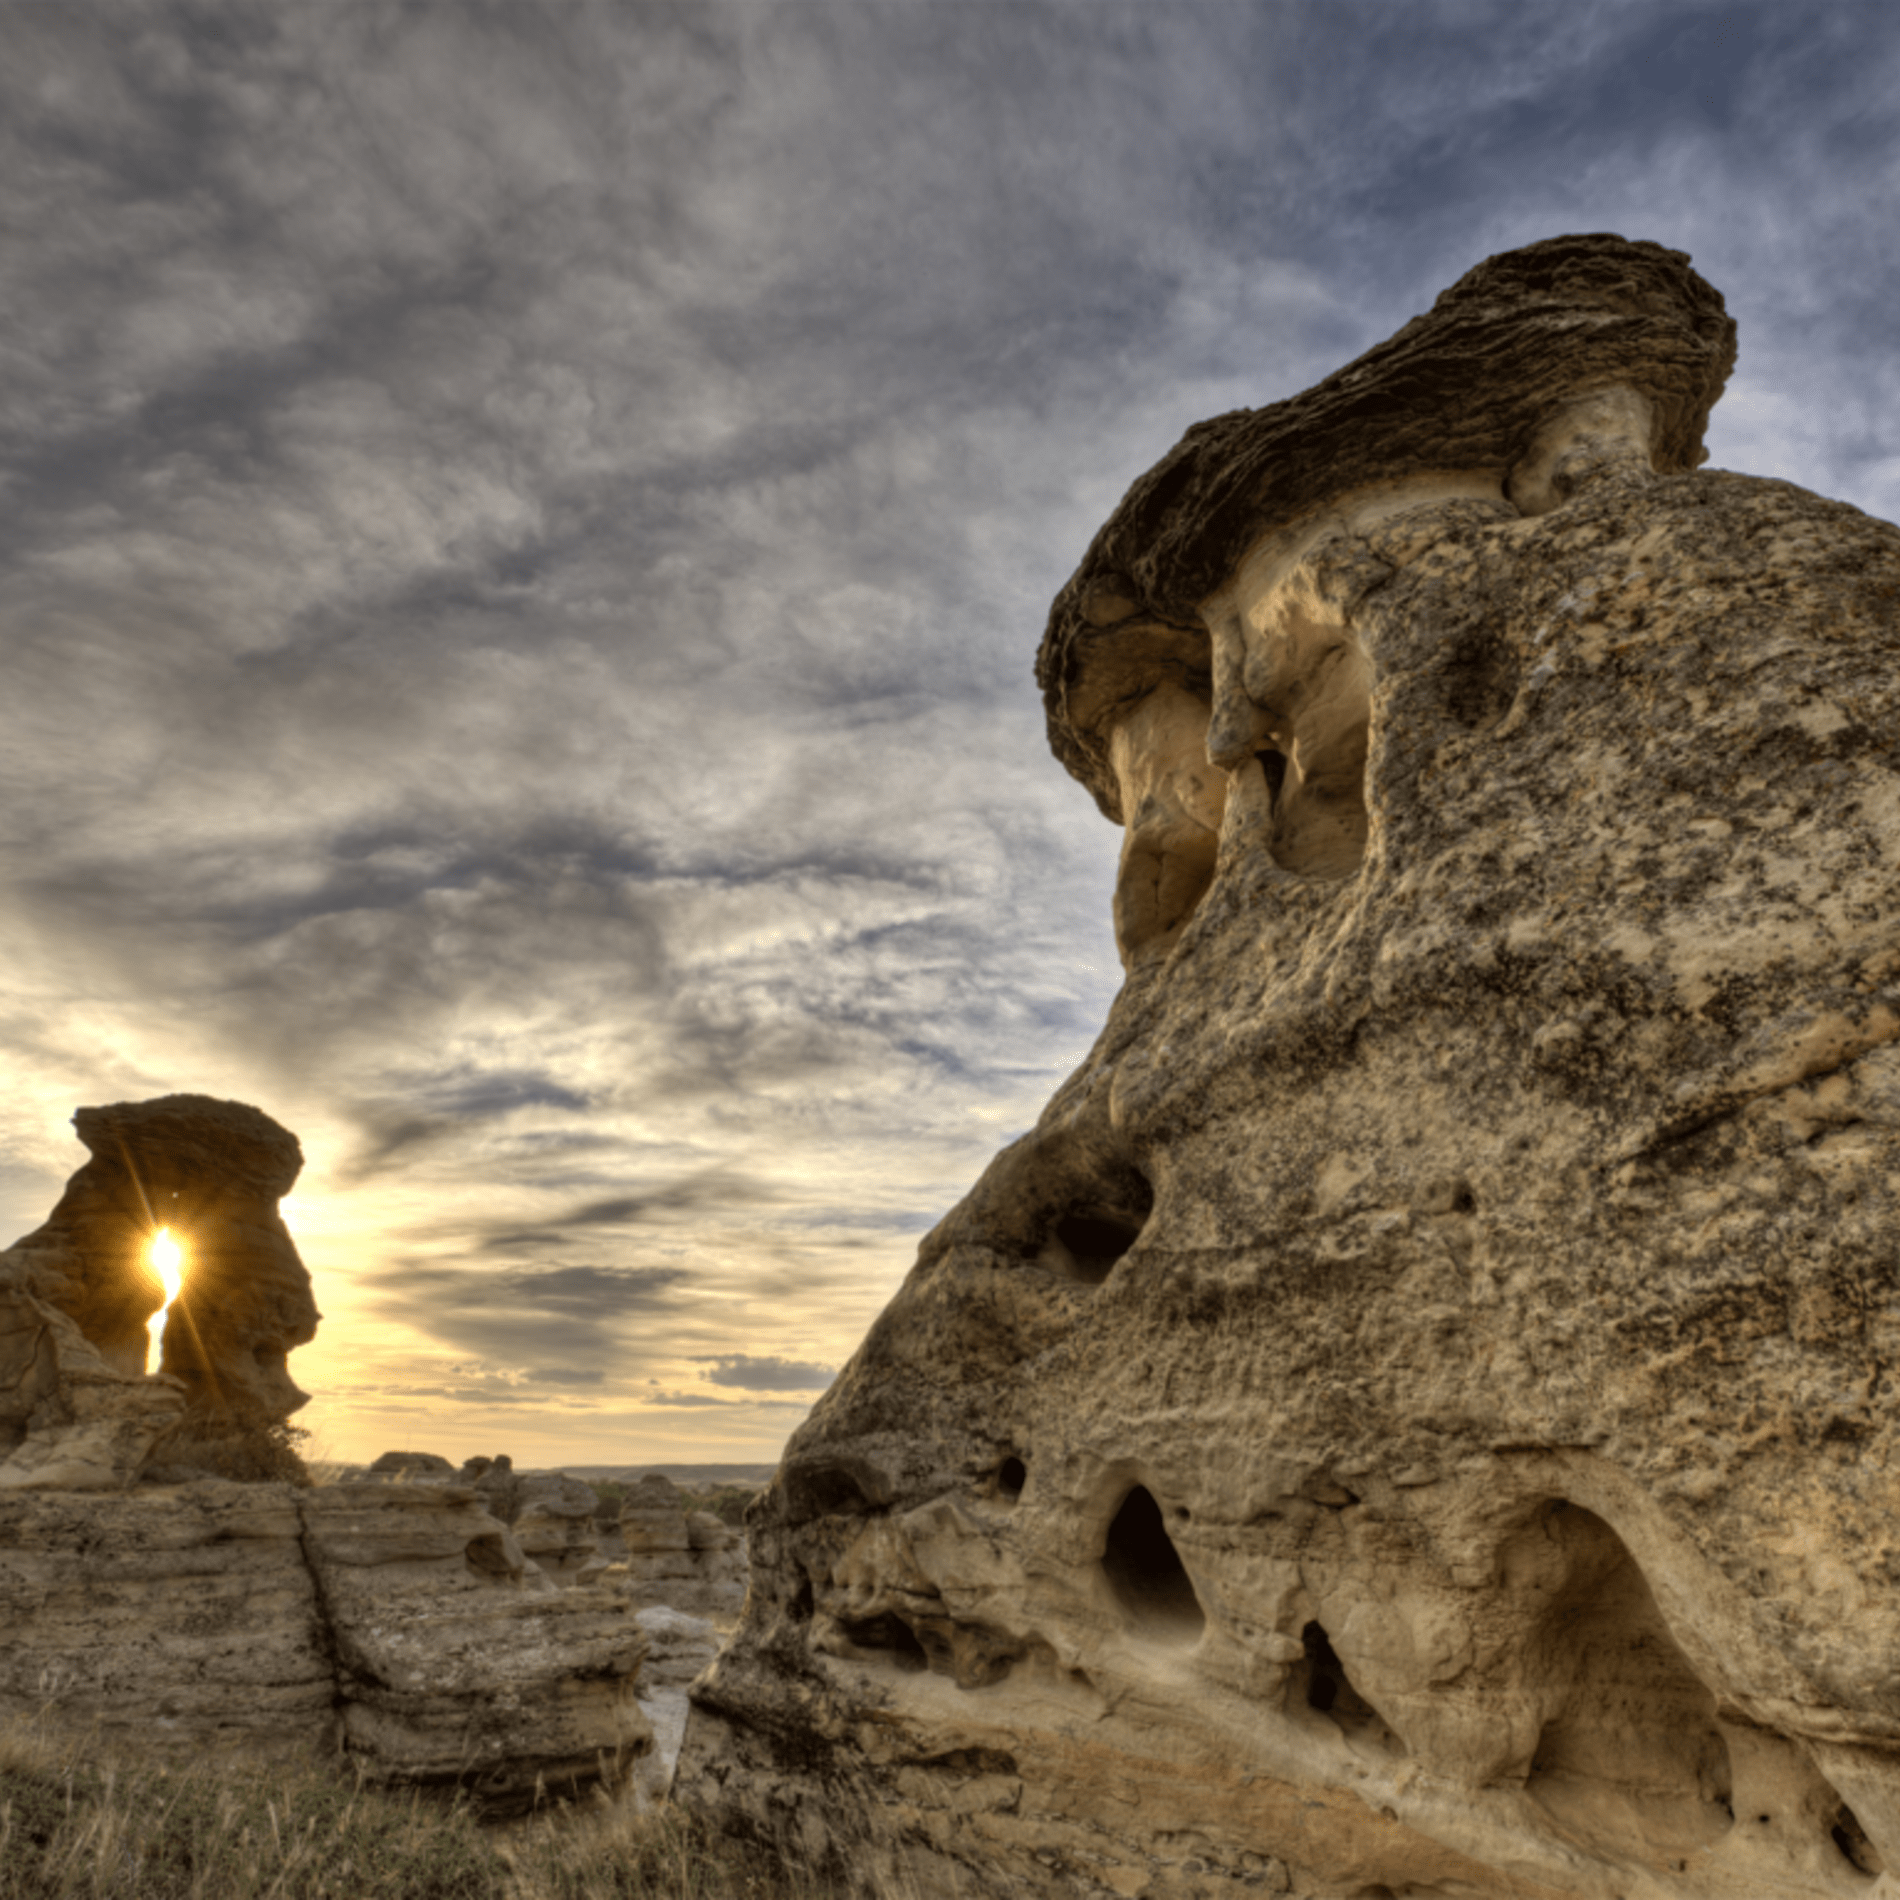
(76, 1410)
(689, 1561)
(1412, 1418)
(554, 1523)
(399, 1621)
(69, 1419)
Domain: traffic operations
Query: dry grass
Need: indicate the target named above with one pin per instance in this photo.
(77, 1825)
(246, 1451)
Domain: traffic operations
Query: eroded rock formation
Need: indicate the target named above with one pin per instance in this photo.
(686, 1560)
(398, 1618)
(1412, 1418)
(554, 1523)
(76, 1409)
(399, 1622)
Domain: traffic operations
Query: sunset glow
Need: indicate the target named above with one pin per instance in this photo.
(168, 1262)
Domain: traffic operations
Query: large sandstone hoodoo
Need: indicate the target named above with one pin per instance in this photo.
(210, 1174)
(1412, 1418)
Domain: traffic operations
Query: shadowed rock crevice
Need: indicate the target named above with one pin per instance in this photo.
(1320, 1682)
(1146, 1574)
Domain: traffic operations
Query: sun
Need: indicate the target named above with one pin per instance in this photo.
(167, 1256)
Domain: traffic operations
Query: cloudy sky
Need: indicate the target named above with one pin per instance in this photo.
(526, 529)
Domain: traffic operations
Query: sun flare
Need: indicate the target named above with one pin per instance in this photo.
(168, 1262)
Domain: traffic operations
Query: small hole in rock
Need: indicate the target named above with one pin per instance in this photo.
(889, 1633)
(1146, 1572)
(1464, 1201)
(1095, 1242)
(1011, 1475)
(1851, 1838)
(1274, 765)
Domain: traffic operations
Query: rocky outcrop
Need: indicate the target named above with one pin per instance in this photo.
(554, 1523)
(1411, 1418)
(400, 1622)
(497, 1483)
(76, 1409)
(689, 1561)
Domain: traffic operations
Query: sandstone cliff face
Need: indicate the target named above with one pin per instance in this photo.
(399, 1622)
(1412, 1418)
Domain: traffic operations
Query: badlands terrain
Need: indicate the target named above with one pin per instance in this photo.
(1410, 1422)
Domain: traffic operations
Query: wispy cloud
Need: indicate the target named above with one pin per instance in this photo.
(526, 531)
(768, 1373)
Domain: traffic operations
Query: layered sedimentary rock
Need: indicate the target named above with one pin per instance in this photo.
(554, 1523)
(401, 1622)
(1412, 1417)
(687, 1560)
(76, 1409)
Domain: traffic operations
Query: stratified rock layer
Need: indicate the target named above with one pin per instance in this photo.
(1412, 1418)
(685, 1560)
(400, 1622)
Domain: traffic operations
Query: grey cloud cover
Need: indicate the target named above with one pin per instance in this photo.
(526, 530)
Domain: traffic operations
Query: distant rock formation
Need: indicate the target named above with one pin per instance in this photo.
(76, 1409)
(554, 1523)
(404, 1467)
(689, 1561)
(1413, 1416)
(400, 1622)
(397, 1618)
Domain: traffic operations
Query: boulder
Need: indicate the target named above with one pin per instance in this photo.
(1411, 1417)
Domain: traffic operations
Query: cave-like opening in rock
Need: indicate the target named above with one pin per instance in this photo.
(1146, 1572)
(891, 1634)
(1094, 1242)
(1011, 1475)
(1856, 1849)
(1631, 1757)
(1320, 1681)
